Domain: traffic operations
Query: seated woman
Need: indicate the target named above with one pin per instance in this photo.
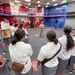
(21, 52)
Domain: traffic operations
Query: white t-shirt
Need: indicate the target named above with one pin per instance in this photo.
(47, 51)
(73, 51)
(3, 25)
(26, 32)
(12, 30)
(64, 53)
(20, 53)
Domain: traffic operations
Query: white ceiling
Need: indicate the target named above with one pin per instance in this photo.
(34, 2)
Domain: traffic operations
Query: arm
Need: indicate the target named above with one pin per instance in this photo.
(2, 61)
(28, 50)
(40, 58)
(38, 63)
(26, 32)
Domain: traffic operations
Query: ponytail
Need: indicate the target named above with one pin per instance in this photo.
(14, 40)
(55, 40)
(18, 35)
(70, 42)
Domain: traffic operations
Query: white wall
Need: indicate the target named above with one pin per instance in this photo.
(71, 7)
(70, 21)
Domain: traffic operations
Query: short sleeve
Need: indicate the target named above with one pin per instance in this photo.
(29, 50)
(41, 55)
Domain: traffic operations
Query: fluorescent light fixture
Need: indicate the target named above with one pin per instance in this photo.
(55, 4)
(39, 5)
(63, 1)
(38, 2)
(29, 4)
(54, 0)
(11, 3)
(28, 0)
(46, 6)
(17, 1)
(19, 4)
(47, 3)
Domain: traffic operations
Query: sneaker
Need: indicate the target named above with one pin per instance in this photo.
(69, 71)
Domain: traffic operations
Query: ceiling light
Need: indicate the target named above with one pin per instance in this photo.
(47, 3)
(17, 1)
(55, 4)
(63, 1)
(11, 3)
(29, 4)
(46, 6)
(38, 2)
(19, 4)
(39, 5)
(28, 0)
(54, 0)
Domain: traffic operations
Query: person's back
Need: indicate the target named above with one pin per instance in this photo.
(64, 54)
(48, 51)
(67, 46)
(12, 29)
(21, 52)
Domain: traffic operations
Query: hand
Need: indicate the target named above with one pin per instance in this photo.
(38, 66)
(2, 64)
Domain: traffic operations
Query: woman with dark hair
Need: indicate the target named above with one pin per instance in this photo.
(21, 52)
(48, 51)
(26, 33)
(67, 46)
(71, 64)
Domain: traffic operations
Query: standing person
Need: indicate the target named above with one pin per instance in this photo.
(41, 27)
(5, 26)
(16, 26)
(67, 46)
(71, 63)
(31, 24)
(12, 29)
(26, 32)
(3, 66)
(56, 24)
(48, 51)
(21, 52)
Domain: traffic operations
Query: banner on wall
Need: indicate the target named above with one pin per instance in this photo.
(55, 13)
(14, 9)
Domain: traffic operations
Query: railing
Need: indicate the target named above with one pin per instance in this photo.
(15, 12)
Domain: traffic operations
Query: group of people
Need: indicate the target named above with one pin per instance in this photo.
(55, 57)
(8, 30)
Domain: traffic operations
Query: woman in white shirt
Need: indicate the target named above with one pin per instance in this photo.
(12, 30)
(48, 51)
(67, 46)
(21, 52)
(71, 63)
